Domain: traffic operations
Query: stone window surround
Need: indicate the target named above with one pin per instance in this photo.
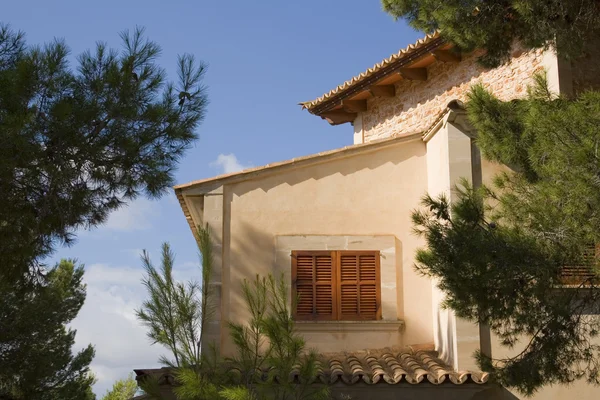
(386, 244)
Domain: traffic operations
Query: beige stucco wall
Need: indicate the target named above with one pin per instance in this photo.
(438, 183)
(417, 104)
(579, 390)
(369, 194)
(361, 201)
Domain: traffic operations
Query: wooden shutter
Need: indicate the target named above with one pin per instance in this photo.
(582, 274)
(359, 295)
(313, 285)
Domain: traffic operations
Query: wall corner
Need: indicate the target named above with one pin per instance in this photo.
(558, 72)
(358, 130)
(213, 219)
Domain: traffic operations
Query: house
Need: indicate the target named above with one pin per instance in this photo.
(337, 224)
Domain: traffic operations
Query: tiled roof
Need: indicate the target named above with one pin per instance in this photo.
(394, 366)
(391, 366)
(373, 70)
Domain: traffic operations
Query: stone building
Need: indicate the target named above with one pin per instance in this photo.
(338, 225)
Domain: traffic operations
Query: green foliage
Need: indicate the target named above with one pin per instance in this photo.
(175, 316)
(494, 25)
(150, 386)
(270, 352)
(237, 393)
(158, 313)
(553, 143)
(123, 389)
(199, 382)
(176, 311)
(36, 360)
(207, 305)
(78, 143)
(497, 252)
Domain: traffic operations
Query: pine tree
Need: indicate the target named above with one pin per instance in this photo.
(123, 389)
(172, 314)
(498, 251)
(269, 351)
(175, 315)
(78, 143)
(36, 359)
(494, 25)
(268, 348)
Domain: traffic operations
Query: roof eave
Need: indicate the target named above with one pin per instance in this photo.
(403, 59)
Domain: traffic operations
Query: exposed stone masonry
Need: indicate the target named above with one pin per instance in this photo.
(417, 104)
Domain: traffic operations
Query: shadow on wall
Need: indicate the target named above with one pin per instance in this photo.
(251, 255)
(586, 69)
(395, 155)
(400, 277)
(422, 391)
(494, 392)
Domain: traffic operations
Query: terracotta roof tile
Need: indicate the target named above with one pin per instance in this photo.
(371, 71)
(391, 366)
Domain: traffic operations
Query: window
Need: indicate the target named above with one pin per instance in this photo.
(336, 285)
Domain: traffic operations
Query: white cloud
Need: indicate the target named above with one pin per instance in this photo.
(97, 275)
(107, 321)
(132, 217)
(229, 163)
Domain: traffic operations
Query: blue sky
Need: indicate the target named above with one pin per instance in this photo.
(264, 57)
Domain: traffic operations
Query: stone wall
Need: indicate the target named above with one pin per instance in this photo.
(417, 104)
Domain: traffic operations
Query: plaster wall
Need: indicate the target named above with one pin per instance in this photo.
(579, 390)
(586, 69)
(368, 195)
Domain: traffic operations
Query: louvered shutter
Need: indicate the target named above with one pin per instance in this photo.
(313, 275)
(359, 285)
(582, 274)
